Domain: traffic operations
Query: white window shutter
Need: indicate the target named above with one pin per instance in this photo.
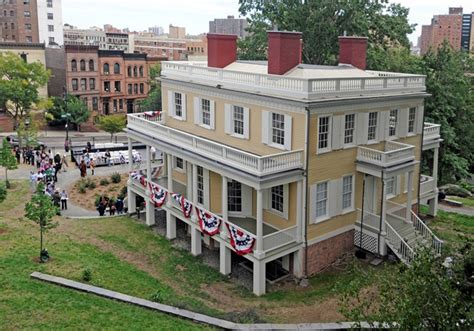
(197, 110)
(337, 131)
(183, 99)
(338, 196)
(247, 198)
(403, 122)
(206, 188)
(361, 128)
(246, 123)
(265, 126)
(213, 114)
(170, 104)
(312, 204)
(288, 132)
(383, 126)
(228, 118)
(332, 197)
(419, 120)
(398, 183)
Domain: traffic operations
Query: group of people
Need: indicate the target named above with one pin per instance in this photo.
(116, 207)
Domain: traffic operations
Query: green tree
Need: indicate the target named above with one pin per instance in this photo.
(41, 210)
(427, 295)
(3, 192)
(7, 160)
(153, 100)
(28, 134)
(321, 23)
(75, 107)
(20, 83)
(112, 124)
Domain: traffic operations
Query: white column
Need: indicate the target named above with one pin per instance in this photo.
(435, 165)
(169, 169)
(150, 212)
(224, 259)
(196, 241)
(131, 201)
(298, 263)
(433, 205)
(170, 226)
(148, 163)
(259, 253)
(299, 211)
(409, 196)
(259, 278)
(225, 213)
(189, 182)
(193, 196)
(130, 155)
(383, 213)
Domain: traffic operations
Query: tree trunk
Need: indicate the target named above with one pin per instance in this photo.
(41, 242)
(111, 137)
(6, 178)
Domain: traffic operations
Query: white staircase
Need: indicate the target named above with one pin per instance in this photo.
(404, 238)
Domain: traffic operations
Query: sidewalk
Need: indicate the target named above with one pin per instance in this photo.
(72, 134)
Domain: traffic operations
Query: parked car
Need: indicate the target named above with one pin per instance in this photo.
(15, 142)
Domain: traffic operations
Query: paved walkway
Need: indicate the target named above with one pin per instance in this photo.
(460, 210)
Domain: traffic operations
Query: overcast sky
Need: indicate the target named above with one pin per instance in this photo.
(196, 14)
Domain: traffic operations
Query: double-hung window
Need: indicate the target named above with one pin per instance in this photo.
(278, 129)
(234, 196)
(392, 124)
(321, 200)
(372, 127)
(179, 164)
(390, 186)
(238, 120)
(347, 192)
(324, 133)
(349, 129)
(178, 105)
(277, 198)
(200, 185)
(206, 112)
(411, 120)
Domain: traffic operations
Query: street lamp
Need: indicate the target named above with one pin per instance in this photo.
(66, 115)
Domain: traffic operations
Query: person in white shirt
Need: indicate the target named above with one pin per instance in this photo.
(64, 198)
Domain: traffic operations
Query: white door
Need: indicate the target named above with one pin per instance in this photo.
(370, 194)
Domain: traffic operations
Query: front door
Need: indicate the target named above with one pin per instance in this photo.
(370, 201)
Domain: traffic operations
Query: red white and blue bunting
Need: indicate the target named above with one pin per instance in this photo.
(136, 175)
(240, 241)
(157, 195)
(185, 205)
(151, 114)
(209, 223)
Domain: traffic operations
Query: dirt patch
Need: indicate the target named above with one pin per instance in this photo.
(3, 231)
(87, 199)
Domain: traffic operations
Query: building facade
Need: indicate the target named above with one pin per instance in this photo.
(107, 81)
(177, 32)
(467, 36)
(443, 27)
(117, 41)
(156, 30)
(19, 21)
(171, 49)
(50, 22)
(284, 164)
(229, 25)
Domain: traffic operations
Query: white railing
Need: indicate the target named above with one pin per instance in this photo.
(371, 220)
(254, 164)
(394, 153)
(280, 238)
(431, 131)
(400, 247)
(426, 233)
(427, 185)
(293, 86)
(270, 242)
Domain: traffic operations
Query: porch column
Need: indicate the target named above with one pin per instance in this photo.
(194, 184)
(150, 212)
(435, 166)
(224, 259)
(225, 213)
(170, 226)
(169, 169)
(383, 216)
(298, 263)
(433, 205)
(196, 241)
(259, 253)
(148, 163)
(189, 182)
(259, 277)
(130, 155)
(131, 200)
(409, 196)
(299, 211)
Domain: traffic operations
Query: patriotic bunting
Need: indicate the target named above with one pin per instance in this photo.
(185, 205)
(151, 113)
(136, 175)
(242, 242)
(209, 223)
(158, 195)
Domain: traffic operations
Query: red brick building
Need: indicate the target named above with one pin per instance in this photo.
(442, 27)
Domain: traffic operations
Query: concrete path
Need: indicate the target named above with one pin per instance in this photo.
(460, 210)
(186, 314)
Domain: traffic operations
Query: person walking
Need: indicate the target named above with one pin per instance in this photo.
(64, 198)
(64, 162)
(92, 166)
(119, 206)
(83, 169)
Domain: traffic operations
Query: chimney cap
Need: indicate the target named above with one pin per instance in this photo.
(222, 36)
(353, 38)
(286, 33)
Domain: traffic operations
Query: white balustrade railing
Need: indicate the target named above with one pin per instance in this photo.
(255, 164)
(426, 233)
(270, 242)
(431, 131)
(295, 86)
(396, 242)
(392, 154)
(427, 184)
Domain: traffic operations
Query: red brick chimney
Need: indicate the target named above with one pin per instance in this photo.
(221, 50)
(353, 50)
(284, 51)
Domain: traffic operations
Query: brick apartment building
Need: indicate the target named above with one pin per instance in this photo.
(109, 81)
(19, 21)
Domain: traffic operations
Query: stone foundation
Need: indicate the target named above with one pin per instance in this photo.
(326, 252)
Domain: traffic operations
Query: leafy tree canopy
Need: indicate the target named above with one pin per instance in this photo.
(75, 107)
(7, 159)
(153, 101)
(112, 124)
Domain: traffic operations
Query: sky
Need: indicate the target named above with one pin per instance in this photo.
(195, 14)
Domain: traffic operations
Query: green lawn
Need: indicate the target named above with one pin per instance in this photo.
(467, 202)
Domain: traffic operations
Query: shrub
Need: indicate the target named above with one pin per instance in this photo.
(116, 178)
(87, 275)
(123, 191)
(3, 192)
(104, 182)
(158, 296)
(82, 186)
(92, 185)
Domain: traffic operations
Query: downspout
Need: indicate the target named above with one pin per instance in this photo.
(381, 209)
(306, 213)
(421, 163)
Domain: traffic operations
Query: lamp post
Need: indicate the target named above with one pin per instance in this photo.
(66, 115)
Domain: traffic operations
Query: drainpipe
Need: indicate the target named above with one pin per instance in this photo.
(306, 213)
(421, 163)
(381, 210)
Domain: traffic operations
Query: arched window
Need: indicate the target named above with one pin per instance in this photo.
(116, 68)
(91, 65)
(106, 69)
(142, 88)
(141, 71)
(82, 65)
(74, 65)
(135, 88)
(135, 73)
(129, 71)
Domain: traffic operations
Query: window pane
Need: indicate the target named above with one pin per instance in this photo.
(393, 122)
(205, 112)
(238, 120)
(178, 105)
(372, 132)
(347, 192)
(321, 199)
(349, 129)
(234, 196)
(278, 129)
(323, 135)
(277, 198)
(411, 120)
(200, 185)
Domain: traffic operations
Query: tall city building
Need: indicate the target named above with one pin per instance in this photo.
(177, 32)
(156, 30)
(50, 22)
(229, 25)
(467, 32)
(443, 27)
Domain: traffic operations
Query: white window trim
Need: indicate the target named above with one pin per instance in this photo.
(354, 132)
(267, 137)
(397, 125)
(175, 167)
(286, 198)
(415, 124)
(247, 205)
(329, 148)
(229, 121)
(198, 113)
(172, 105)
(326, 217)
(377, 126)
(394, 193)
(352, 206)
